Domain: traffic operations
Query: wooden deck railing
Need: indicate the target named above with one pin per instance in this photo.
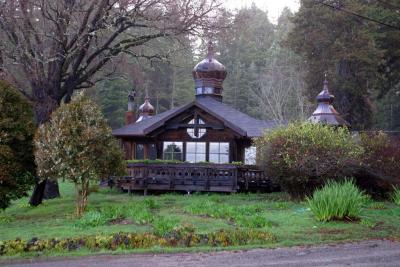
(192, 177)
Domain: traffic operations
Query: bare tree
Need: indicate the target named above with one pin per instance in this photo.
(52, 48)
(280, 87)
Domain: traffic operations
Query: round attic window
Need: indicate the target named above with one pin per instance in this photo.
(195, 131)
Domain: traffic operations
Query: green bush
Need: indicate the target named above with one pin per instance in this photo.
(302, 157)
(91, 218)
(396, 195)
(17, 128)
(337, 201)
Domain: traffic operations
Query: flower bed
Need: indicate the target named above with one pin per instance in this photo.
(182, 237)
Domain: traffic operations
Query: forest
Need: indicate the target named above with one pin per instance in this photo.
(275, 70)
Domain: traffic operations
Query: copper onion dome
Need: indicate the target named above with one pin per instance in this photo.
(209, 75)
(325, 112)
(146, 110)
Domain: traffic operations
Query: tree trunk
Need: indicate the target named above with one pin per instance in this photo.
(82, 196)
(44, 189)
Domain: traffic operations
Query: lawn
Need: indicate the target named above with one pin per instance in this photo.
(111, 212)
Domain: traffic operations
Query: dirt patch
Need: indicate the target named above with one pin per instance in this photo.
(121, 222)
(331, 231)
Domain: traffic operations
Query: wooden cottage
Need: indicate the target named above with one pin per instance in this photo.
(204, 130)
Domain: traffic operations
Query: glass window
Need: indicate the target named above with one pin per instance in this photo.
(196, 132)
(219, 152)
(152, 152)
(250, 155)
(139, 151)
(172, 150)
(195, 151)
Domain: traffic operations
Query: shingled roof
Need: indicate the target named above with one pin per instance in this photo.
(232, 118)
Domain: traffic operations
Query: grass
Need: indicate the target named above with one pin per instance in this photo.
(337, 201)
(396, 195)
(112, 212)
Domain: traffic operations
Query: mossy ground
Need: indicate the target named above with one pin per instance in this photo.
(291, 222)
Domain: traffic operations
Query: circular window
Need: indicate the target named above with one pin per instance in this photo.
(195, 131)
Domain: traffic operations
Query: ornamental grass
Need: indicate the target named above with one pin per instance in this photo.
(337, 201)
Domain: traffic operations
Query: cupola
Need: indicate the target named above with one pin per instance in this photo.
(146, 110)
(209, 75)
(325, 112)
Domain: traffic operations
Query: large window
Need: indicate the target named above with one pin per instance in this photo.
(173, 150)
(195, 152)
(196, 132)
(219, 152)
(139, 151)
(250, 155)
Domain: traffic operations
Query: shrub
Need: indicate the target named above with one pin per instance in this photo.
(17, 127)
(381, 162)
(337, 201)
(302, 157)
(396, 195)
(77, 144)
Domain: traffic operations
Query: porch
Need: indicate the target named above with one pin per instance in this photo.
(190, 177)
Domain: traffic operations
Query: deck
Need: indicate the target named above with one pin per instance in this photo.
(190, 177)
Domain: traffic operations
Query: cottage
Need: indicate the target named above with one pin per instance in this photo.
(205, 130)
(206, 135)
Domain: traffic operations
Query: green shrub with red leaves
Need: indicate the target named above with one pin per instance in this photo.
(303, 157)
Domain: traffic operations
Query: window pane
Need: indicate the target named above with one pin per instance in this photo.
(224, 148)
(250, 155)
(200, 157)
(190, 147)
(168, 156)
(214, 158)
(200, 147)
(223, 158)
(177, 156)
(152, 152)
(214, 147)
(191, 158)
(139, 151)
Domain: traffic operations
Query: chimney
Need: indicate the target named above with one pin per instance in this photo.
(130, 116)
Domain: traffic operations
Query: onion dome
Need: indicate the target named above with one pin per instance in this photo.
(209, 75)
(325, 112)
(146, 110)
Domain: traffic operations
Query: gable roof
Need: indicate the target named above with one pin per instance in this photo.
(237, 121)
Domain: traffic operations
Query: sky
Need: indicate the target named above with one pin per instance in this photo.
(274, 7)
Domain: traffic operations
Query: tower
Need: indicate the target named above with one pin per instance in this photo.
(209, 75)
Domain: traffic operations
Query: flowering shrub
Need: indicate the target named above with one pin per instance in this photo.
(302, 157)
(77, 144)
(182, 237)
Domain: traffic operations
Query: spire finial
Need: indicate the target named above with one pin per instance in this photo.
(210, 50)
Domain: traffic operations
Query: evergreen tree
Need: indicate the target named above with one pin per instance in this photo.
(342, 45)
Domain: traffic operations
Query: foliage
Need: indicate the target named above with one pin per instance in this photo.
(76, 144)
(396, 195)
(335, 42)
(382, 158)
(302, 157)
(337, 201)
(17, 128)
(182, 238)
(164, 225)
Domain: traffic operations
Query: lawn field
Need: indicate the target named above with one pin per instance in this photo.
(112, 212)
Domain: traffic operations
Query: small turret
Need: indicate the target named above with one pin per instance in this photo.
(325, 112)
(146, 110)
